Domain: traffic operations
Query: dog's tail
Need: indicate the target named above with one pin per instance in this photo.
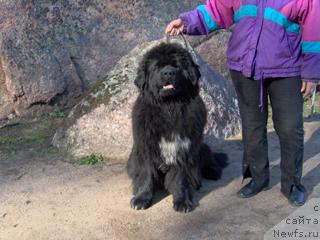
(212, 163)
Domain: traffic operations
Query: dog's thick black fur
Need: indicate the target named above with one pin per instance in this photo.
(168, 120)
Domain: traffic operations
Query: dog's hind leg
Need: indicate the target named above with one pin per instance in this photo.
(143, 188)
(176, 182)
(212, 163)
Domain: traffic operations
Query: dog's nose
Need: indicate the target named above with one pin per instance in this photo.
(168, 72)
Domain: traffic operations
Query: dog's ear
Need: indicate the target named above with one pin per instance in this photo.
(140, 80)
(194, 74)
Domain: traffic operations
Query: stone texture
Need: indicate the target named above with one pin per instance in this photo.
(52, 51)
(101, 122)
(214, 50)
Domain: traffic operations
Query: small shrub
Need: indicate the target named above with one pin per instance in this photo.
(91, 160)
(56, 113)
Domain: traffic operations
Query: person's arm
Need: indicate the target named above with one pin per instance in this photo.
(308, 13)
(215, 14)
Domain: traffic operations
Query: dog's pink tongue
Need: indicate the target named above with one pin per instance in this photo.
(169, 86)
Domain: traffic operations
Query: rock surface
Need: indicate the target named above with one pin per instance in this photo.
(51, 51)
(101, 122)
(214, 50)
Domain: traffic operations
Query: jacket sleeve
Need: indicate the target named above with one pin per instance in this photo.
(308, 13)
(216, 14)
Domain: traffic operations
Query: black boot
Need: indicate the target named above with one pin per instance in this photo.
(298, 195)
(252, 188)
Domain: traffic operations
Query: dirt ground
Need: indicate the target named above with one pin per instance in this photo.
(44, 196)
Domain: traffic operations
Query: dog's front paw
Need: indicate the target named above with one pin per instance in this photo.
(184, 205)
(139, 203)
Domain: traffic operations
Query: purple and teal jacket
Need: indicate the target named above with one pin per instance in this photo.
(271, 38)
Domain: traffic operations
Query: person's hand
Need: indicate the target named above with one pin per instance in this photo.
(308, 88)
(175, 27)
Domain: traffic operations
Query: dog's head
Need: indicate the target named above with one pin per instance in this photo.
(168, 73)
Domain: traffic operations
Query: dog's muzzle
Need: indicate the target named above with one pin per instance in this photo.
(168, 77)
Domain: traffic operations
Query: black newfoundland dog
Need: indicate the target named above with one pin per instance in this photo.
(168, 120)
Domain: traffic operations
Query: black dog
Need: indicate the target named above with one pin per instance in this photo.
(168, 120)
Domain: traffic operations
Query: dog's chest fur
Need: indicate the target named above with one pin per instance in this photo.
(170, 148)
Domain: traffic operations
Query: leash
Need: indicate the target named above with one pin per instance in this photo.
(187, 44)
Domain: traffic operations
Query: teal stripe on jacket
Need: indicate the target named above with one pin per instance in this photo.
(211, 24)
(311, 47)
(246, 11)
(281, 19)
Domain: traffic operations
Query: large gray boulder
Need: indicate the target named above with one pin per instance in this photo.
(52, 51)
(101, 122)
(213, 51)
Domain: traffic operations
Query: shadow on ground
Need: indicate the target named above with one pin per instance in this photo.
(234, 170)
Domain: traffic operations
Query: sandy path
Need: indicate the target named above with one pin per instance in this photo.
(44, 197)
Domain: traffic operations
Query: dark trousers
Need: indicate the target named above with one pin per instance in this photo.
(287, 115)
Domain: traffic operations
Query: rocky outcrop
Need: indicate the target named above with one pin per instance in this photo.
(213, 51)
(101, 122)
(52, 51)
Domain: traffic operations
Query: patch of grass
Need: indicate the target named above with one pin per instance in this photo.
(16, 140)
(57, 113)
(11, 144)
(317, 109)
(91, 160)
